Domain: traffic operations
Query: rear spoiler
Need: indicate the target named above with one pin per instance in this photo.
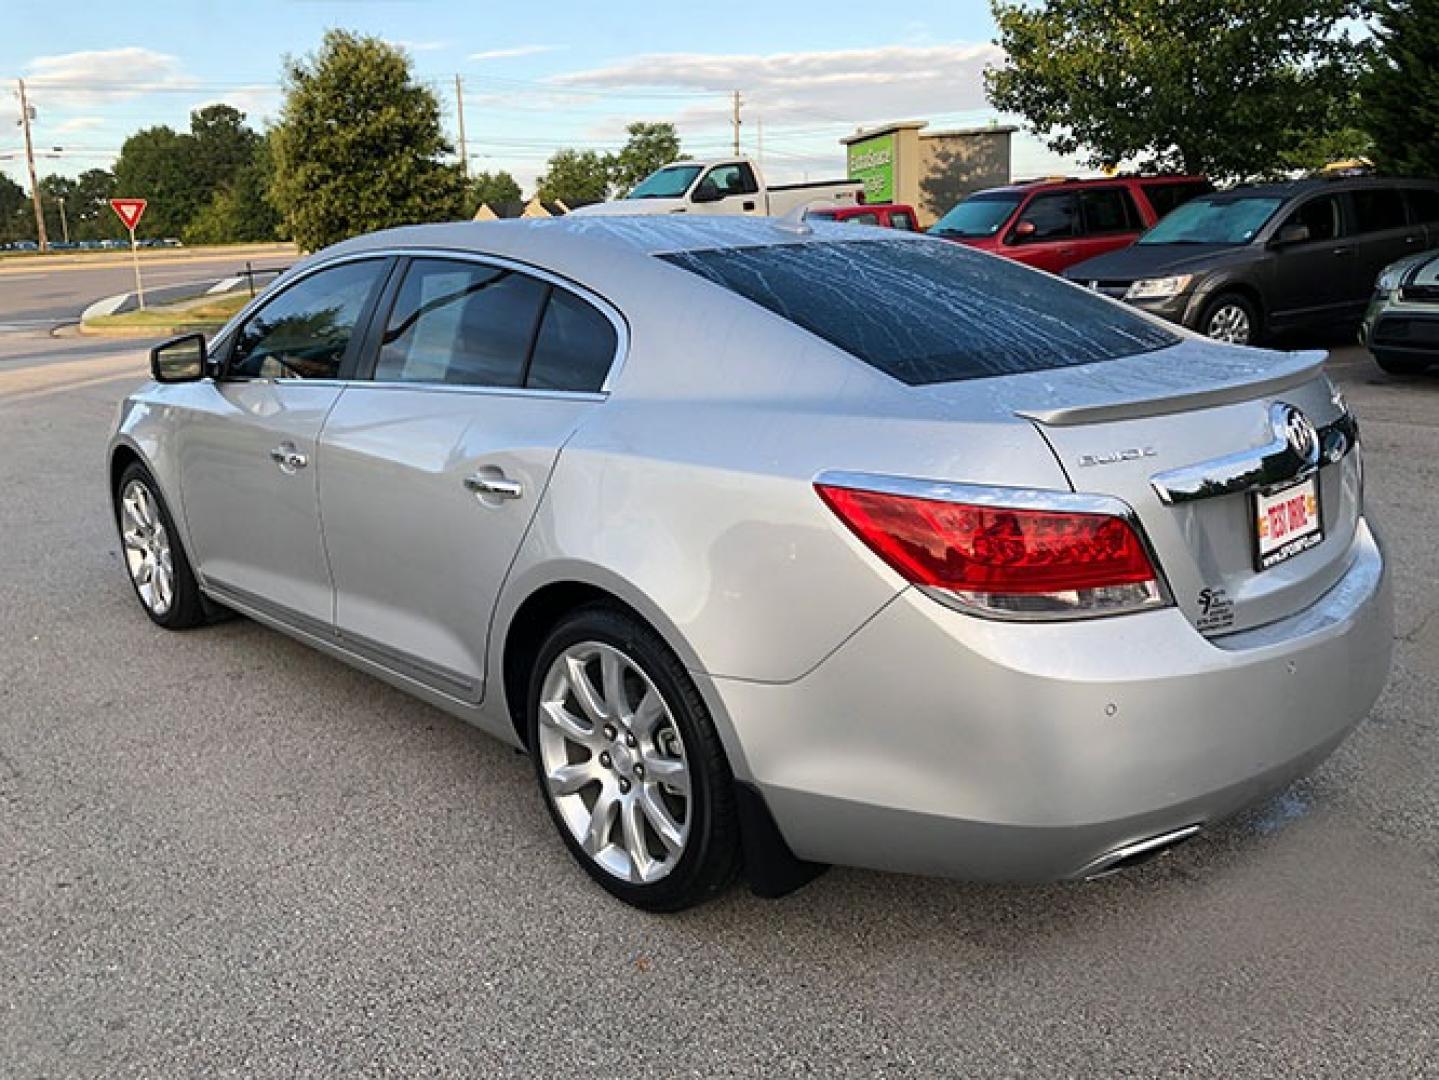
(1291, 370)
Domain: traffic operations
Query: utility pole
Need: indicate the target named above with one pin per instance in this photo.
(64, 223)
(460, 111)
(736, 123)
(30, 164)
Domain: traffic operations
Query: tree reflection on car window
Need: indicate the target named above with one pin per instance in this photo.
(303, 333)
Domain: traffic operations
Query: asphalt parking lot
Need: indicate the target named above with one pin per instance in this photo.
(227, 855)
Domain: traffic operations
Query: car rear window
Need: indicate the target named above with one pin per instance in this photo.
(927, 311)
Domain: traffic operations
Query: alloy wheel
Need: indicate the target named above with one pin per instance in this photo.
(147, 548)
(1229, 323)
(613, 762)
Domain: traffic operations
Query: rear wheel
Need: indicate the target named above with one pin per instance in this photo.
(1396, 365)
(629, 763)
(154, 558)
(1231, 318)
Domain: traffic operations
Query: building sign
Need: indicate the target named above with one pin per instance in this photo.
(872, 161)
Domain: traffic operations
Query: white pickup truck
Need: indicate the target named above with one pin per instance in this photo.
(723, 186)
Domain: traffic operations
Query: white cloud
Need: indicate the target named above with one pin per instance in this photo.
(851, 86)
(258, 102)
(514, 51)
(83, 80)
(78, 124)
(422, 46)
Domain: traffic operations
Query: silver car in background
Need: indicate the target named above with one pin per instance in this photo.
(779, 545)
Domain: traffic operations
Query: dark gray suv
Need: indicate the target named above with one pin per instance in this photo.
(1248, 263)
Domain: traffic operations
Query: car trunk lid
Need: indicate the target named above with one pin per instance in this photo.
(1189, 437)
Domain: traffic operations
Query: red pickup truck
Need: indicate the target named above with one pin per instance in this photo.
(886, 215)
(1053, 224)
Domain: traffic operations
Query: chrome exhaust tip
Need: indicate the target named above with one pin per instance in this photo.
(1140, 851)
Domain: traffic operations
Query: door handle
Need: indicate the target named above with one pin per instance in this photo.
(288, 458)
(498, 486)
(749, 205)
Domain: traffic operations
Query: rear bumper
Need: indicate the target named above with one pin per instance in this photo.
(933, 742)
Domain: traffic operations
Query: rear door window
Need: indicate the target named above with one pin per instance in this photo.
(899, 219)
(1424, 205)
(1054, 217)
(1108, 210)
(575, 347)
(925, 311)
(1378, 209)
(465, 324)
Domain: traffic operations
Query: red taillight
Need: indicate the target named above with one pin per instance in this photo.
(1004, 560)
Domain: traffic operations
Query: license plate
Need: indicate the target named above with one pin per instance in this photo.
(1286, 522)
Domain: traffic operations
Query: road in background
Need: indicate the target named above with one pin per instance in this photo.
(223, 853)
(39, 296)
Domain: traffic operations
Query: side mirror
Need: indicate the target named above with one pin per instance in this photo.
(179, 360)
(707, 191)
(1295, 233)
(1025, 230)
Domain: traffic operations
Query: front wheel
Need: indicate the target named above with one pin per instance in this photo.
(1231, 318)
(629, 763)
(154, 558)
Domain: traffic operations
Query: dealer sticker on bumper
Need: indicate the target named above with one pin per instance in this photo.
(1286, 522)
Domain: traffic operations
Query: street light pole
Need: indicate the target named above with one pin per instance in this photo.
(30, 163)
(64, 224)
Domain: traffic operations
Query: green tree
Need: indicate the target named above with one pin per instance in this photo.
(491, 188)
(359, 145)
(14, 205)
(86, 200)
(241, 211)
(1231, 88)
(159, 164)
(648, 147)
(576, 177)
(1401, 88)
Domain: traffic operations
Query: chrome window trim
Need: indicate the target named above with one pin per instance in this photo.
(1011, 498)
(550, 277)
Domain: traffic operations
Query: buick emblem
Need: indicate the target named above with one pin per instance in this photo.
(1297, 430)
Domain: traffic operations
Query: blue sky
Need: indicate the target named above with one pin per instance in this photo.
(535, 79)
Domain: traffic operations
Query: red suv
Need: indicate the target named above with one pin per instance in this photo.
(1053, 224)
(886, 215)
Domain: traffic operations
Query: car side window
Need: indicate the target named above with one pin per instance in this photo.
(1424, 205)
(465, 324)
(1320, 216)
(901, 220)
(1054, 217)
(1108, 210)
(869, 218)
(303, 332)
(575, 347)
(1166, 197)
(737, 179)
(1377, 209)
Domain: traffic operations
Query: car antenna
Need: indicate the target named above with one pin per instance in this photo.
(794, 222)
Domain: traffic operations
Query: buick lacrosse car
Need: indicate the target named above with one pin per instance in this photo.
(779, 545)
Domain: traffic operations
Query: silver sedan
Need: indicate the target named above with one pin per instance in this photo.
(779, 545)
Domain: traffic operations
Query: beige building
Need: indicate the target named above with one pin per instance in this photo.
(929, 170)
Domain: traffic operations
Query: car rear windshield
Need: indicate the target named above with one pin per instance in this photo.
(929, 312)
(978, 216)
(1215, 219)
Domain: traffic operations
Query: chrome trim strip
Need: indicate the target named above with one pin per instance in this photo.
(1273, 464)
(1072, 502)
(450, 683)
(594, 299)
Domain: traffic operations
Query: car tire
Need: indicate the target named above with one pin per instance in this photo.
(155, 560)
(1231, 318)
(1396, 365)
(629, 763)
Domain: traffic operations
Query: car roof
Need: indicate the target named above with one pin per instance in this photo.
(1288, 189)
(1048, 183)
(575, 234)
